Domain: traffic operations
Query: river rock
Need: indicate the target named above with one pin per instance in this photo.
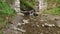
(49, 25)
(25, 21)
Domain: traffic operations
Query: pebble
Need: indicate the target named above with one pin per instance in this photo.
(38, 26)
(58, 31)
(58, 26)
(20, 14)
(25, 21)
(49, 25)
(19, 29)
(19, 24)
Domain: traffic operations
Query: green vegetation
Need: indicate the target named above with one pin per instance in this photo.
(27, 4)
(5, 11)
(0, 31)
(51, 9)
(54, 11)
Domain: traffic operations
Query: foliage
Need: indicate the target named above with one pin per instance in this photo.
(52, 3)
(27, 4)
(54, 11)
(5, 11)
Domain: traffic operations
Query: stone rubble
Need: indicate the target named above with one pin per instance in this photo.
(19, 29)
(49, 25)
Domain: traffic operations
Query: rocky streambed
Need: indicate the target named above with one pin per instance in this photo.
(43, 24)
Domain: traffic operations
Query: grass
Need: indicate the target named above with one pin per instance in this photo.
(53, 11)
(5, 11)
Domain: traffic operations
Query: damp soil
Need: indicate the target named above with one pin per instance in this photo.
(35, 25)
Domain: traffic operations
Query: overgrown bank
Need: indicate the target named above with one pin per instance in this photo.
(53, 7)
(6, 13)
